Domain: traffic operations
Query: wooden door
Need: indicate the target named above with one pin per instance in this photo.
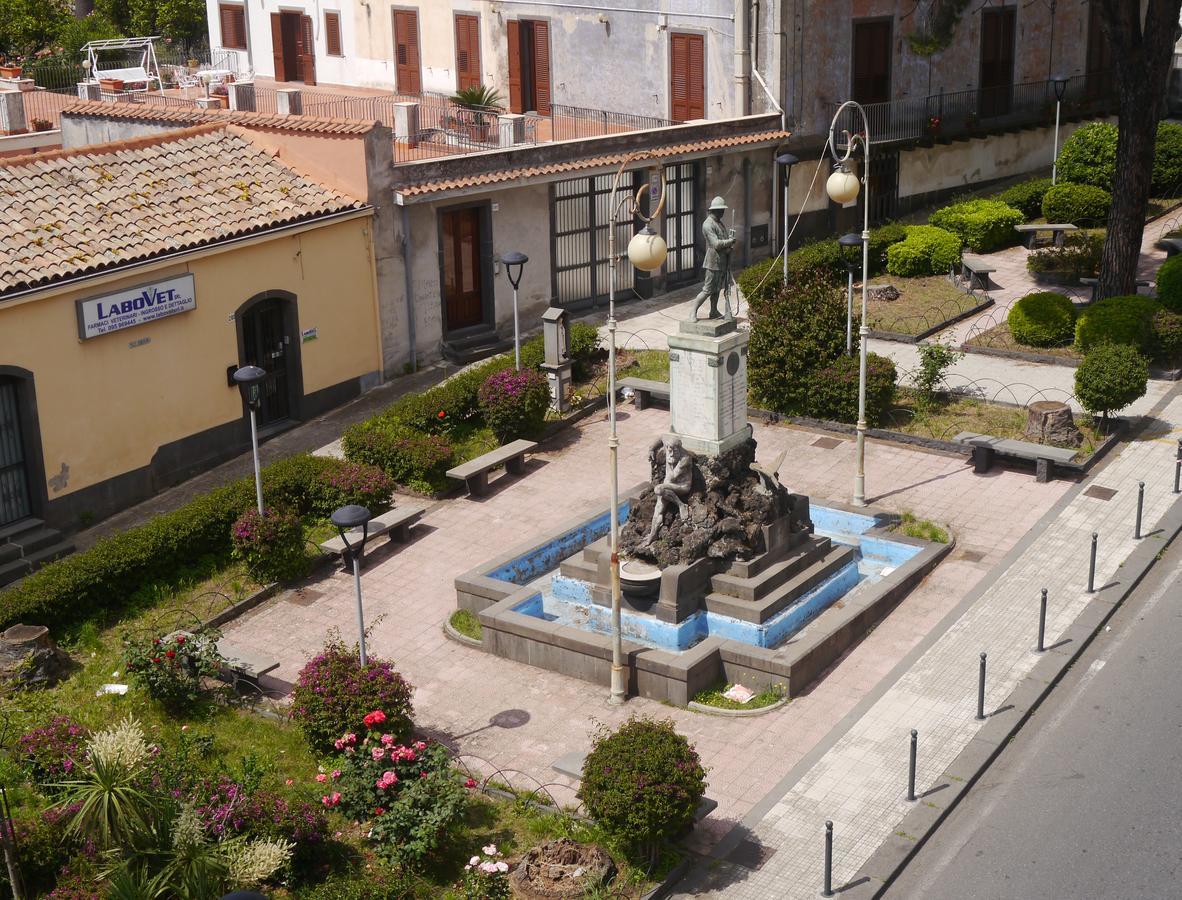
(408, 77)
(462, 295)
(541, 67)
(687, 77)
(467, 52)
(277, 47)
(872, 62)
(14, 476)
(267, 344)
(306, 48)
(516, 98)
(291, 42)
(997, 61)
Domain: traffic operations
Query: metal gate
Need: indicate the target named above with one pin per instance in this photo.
(681, 193)
(884, 186)
(581, 216)
(14, 481)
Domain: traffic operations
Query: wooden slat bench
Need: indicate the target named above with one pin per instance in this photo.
(976, 268)
(1058, 233)
(645, 389)
(474, 473)
(396, 523)
(1092, 282)
(986, 447)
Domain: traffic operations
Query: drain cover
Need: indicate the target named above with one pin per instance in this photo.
(1100, 493)
(826, 443)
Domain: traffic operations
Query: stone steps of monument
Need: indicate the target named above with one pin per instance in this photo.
(9, 552)
(837, 557)
(759, 586)
(592, 551)
(576, 567)
(13, 571)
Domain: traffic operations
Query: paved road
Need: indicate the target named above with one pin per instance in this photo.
(1084, 803)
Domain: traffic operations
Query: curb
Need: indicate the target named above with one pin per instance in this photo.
(903, 338)
(708, 710)
(454, 635)
(1156, 373)
(893, 855)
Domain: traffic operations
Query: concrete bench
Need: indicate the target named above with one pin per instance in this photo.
(1092, 282)
(1058, 232)
(396, 523)
(976, 268)
(474, 473)
(1172, 246)
(645, 389)
(242, 662)
(985, 447)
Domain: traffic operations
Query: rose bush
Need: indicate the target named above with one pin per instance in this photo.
(170, 669)
(486, 877)
(271, 544)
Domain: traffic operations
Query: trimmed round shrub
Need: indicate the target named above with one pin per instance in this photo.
(1078, 204)
(334, 693)
(1169, 284)
(1117, 320)
(1167, 160)
(1167, 336)
(881, 239)
(1026, 197)
(1045, 319)
(642, 783)
(762, 280)
(927, 250)
(983, 225)
(1089, 156)
(833, 390)
(514, 403)
(1111, 377)
(271, 544)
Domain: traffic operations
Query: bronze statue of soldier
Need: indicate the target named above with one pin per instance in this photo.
(719, 241)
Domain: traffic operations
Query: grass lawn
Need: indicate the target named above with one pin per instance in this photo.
(649, 364)
(713, 697)
(924, 303)
(467, 624)
(999, 337)
(925, 529)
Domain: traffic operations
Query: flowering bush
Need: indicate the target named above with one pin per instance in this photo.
(52, 751)
(353, 482)
(486, 877)
(373, 770)
(271, 545)
(334, 693)
(513, 403)
(425, 815)
(170, 669)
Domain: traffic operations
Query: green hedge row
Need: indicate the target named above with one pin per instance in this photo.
(1026, 197)
(833, 392)
(983, 225)
(1089, 157)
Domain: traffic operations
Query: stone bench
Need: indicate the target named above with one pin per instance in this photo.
(645, 389)
(976, 268)
(985, 447)
(474, 473)
(1092, 282)
(1058, 233)
(396, 523)
(242, 662)
(1172, 246)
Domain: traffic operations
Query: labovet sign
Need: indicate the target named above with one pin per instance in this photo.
(135, 306)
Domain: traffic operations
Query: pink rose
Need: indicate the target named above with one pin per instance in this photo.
(377, 753)
(322, 778)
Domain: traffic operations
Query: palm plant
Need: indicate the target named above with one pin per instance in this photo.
(478, 97)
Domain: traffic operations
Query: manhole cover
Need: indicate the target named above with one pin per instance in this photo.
(750, 854)
(826, 443)
(1100, 493)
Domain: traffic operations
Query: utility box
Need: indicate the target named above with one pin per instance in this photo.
(556, 354)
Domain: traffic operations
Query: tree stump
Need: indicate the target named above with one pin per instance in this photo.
(1051, 422)
(560, 869)
(30, 658)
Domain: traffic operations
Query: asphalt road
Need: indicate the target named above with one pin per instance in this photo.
(1086, 801)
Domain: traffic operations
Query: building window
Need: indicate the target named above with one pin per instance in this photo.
(872, 61)
(406, 51)
(997, 61)
(687, 77)
(529, 66)
(233, 20)
(332, 33)
(467, 52)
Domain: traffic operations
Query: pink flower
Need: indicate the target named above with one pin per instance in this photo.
(488, 868)
(377, 717)
(489, 849)
(377, 753)
(379, 811)
(289, 782)
(474, 861)
(469, 783)
(322, 778)
(336, 773)
(387, 740)
(502, 866)
(420, 745)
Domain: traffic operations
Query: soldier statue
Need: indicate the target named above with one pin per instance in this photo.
(719, 241)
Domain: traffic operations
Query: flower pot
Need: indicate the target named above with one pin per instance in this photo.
(10, 71)
(111, 85)
(223, 100)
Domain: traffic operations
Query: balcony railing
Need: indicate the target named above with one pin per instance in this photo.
(980, 110)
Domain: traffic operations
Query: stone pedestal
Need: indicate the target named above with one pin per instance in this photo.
(12, 113)
(708, 385)
(209, 103)
(510, 130)
(241, 96)
(406, 123)
(559, 378)
(90, 90)
(289, 102)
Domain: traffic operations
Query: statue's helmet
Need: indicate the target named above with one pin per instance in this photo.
(717, 203)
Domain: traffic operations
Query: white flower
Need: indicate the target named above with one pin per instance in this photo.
(474, 861)
(490, 849)
(253, 863)
(488, 868)
(121, 745)
(502, 866)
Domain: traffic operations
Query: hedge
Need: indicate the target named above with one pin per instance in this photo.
(1026, 197)
(1117, 320)
(762, 280)
(1078, 204)
(1079, 257)
(1169, 284)
(1167, 160)
(1089, 156)
(927, 250)
(833, 390)
(983, 225)
(822, 255)
(1045, 319)
(1167, 336)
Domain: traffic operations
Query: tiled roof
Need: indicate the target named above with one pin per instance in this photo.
(143, 112)
(582, 163)
(70, 212)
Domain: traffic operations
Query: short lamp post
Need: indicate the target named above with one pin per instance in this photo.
(347, 520)
(842, 188)
(1060, 83)
(514, 266)
(787, 161)
(86, 66)
(250, 381)
(849, 243)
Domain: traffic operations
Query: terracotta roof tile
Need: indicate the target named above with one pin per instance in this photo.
(68, 212)
(144, 112)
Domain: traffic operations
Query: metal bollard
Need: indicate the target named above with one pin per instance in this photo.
(1178, 469)
(911, 768)
(828, 891)
(1140, 505)
(1092, 565)
(981, 691)
(1042, 621)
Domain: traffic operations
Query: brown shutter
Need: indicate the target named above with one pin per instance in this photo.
(687, 77)
(226, 19)
(308, 58)
(696, 80)
(332, 33)
(542, 67)
(277, 47)
(467, 52)
(515, 100)
(406, 51)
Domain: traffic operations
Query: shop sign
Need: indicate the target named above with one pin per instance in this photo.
(135, 306)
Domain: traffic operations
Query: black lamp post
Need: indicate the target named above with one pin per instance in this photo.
(249, 380)
(1060, 83)
(787, 160)
(514, 266)
(347, 519)
(851, 245)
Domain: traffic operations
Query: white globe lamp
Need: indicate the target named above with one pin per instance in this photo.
(647, 250)
(842, 185)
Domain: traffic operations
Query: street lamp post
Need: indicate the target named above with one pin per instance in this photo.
(514, 266)
(347, 519)
(842, 188)
(847, 242)
(1060, 82)
(787, 160)
(646, 251)
(249, 380)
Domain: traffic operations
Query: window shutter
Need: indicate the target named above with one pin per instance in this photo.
(277, 48)
(696, 76)
(308, 57)
(687, 77)
(332, 33)
(467, 52)
(542, 67)
(233, 26)
(406, 51)
(515, 99)
(678, 92)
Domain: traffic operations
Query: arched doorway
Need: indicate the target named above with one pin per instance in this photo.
(16, 498)
(268, 337)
